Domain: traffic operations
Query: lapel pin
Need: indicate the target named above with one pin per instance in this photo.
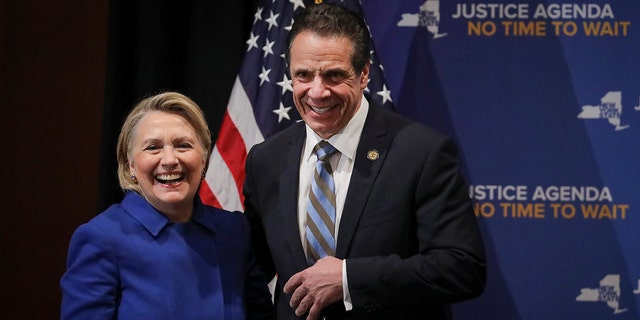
(373, 155)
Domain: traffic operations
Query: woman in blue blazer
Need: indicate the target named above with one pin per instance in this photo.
(161, 253)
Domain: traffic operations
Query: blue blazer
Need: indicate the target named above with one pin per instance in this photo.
(131, 262)
(408, 229)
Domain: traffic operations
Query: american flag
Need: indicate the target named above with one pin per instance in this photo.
(261, 101)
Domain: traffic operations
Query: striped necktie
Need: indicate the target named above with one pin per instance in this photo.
(321, 206)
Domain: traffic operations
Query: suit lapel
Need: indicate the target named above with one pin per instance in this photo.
(288, 193)
(366, 168)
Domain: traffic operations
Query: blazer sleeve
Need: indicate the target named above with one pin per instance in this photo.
(89, 286)
(445, 262)
(257, 296)
(259, 244)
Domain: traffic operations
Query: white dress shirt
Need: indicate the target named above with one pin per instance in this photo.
(346, 141)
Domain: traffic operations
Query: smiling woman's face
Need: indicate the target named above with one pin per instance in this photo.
(168, 161)
(326, 89)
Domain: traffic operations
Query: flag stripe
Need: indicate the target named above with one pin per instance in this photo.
(241, 114)
(238, 132)
(221, 184)
(232, 149)
(207, 196)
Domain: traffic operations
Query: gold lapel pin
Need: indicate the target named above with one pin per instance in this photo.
(373, 155)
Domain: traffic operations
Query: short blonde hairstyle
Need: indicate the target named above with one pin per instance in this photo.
(171, 102)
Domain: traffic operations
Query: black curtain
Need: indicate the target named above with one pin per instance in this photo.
(194, 47)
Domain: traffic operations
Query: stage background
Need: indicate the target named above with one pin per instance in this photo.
(542, 97)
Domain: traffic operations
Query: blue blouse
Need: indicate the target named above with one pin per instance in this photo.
(131, 262)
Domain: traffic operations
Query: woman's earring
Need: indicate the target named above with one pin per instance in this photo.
(133, 177)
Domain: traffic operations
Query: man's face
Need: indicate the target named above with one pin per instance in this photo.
(326, 89)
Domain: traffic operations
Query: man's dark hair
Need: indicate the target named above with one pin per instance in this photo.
(334, 21)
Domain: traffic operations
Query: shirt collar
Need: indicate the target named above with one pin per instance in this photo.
(346, 140)
(154, 221)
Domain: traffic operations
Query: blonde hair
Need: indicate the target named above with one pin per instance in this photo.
(171, 102)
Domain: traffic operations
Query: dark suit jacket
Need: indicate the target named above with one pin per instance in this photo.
(408, 229)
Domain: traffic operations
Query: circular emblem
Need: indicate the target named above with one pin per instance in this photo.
(373, 155)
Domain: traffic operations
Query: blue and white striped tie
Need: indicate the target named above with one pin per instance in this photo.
(321, 207)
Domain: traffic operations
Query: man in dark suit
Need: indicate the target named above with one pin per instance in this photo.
(400, 238)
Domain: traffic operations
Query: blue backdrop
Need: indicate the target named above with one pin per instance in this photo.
(543, 98)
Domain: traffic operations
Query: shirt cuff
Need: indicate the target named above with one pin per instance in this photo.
(346, 296)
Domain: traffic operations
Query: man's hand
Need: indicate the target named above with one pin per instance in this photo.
(315, 287)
